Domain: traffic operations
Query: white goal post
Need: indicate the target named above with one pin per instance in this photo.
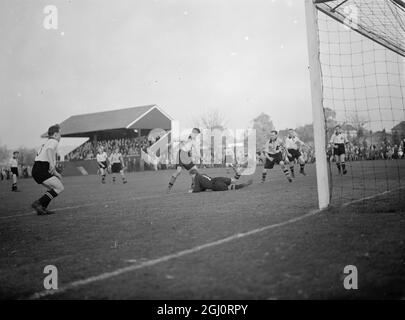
(356, 51)
(322, 173)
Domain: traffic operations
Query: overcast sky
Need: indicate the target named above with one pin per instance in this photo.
(188, 56)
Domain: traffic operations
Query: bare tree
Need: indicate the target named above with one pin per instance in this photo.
(358, 122)
(211, 120)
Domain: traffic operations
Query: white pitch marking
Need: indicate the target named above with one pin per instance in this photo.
(369, 197)
(179, 254)
(149, 263)
(355, 201)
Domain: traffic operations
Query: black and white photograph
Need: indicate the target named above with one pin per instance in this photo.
(202, 153)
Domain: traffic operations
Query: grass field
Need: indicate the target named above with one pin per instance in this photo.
(267, 241)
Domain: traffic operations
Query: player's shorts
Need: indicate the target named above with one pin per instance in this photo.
(116, 167)
(103, 165)
(295, 154)
(40, 171)
(14, 170)
(184, 160)
(277, 157)
(220, 183)
(339, 149)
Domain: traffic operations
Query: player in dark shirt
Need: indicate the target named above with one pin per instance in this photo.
(203, 182)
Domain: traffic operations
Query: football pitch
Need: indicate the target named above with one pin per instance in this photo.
(267, 241)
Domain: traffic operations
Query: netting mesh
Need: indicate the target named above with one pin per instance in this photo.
(362, 46)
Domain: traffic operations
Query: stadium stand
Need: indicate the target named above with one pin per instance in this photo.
(126, 129)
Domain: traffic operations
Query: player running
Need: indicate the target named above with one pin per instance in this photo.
(338, 142)
(117, 165)
(102, 163)
(203, 182)
(293, 144)
(184, 157)
(274, 150)
(44, 171)
(14, 170)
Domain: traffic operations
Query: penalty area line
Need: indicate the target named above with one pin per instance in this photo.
(370, 197)
(153, 262)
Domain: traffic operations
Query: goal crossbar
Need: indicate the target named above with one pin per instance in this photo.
(330, 10)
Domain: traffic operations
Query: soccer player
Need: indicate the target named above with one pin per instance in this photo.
(203, 182)
(44, 171)
(184, 157)
(338, 142)
(117, 165)
(274, 150)
(14, 170)
(293, 144)
(102, 163)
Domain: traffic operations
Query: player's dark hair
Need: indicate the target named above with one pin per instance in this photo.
(196, 129)
(274, 131)
(53, 129)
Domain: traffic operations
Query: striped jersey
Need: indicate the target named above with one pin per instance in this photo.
(273, 147)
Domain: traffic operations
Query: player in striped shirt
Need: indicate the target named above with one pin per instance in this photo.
(274, 151)
(117, 165)
(293, 145)
(338, 141)
(14, 170)
(44, 171)
(102, 163)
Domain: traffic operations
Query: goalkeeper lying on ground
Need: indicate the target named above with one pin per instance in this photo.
(203, 182)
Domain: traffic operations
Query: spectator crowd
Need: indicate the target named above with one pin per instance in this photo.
(385, 150)
(381, 151)
(127, 147)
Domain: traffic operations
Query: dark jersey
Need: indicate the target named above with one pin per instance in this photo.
(202, 182)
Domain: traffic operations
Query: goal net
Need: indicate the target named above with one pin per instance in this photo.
(357, 67)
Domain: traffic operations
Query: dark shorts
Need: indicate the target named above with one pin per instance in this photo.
(220, 183)
(103, 165)
(184, 160)
(116, 167)
(277, 157)
(295, 154)
(40, 171)
(339, 149)
(14, 170)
